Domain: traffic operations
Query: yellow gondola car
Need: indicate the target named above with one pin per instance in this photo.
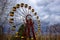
(11, 20)
(14, 9)
(11, 13)
(18, 5)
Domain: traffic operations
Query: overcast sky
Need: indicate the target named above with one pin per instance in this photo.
(48, 10)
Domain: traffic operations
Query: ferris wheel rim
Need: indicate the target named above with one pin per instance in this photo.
(14, 9)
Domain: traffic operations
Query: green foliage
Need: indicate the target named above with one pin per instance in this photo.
(20, 33)
(21, 29)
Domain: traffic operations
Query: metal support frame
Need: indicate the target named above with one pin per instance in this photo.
(29, 25)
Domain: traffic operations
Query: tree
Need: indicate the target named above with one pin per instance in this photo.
(5, 7)
(54, 29)
(21, 30)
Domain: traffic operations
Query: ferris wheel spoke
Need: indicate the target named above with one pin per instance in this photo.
(22, 12)
(30, 13)
(26, 10)
(35, 26)
(18, 24)
(17, 15)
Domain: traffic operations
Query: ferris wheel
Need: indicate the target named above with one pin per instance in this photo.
(23, 13)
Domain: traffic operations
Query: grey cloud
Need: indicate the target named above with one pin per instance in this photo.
(44, 2)
(48, 10)
(51, 8)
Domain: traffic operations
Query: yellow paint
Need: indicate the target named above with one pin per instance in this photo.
(18, 5)
(22, 37)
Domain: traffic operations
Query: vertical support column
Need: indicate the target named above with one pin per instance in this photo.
(33, 33)
(31, 25)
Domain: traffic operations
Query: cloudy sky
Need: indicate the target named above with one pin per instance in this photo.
(48, 10)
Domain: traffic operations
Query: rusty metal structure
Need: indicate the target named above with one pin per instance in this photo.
(28, 15)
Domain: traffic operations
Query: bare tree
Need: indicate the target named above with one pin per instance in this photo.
(5, 8)
(54, 29)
